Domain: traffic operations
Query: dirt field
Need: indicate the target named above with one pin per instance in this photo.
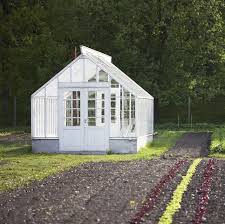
(123, 192)
(91, 193)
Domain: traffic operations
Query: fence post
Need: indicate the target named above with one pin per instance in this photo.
(14, 111)
(189, 110)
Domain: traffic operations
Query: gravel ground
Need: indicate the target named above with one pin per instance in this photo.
(191, 145)
(90, 193)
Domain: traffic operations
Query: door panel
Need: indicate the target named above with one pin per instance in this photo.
(96, 133)
(84, 119)
(71, 120)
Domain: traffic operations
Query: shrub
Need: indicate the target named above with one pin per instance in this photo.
(218, 141)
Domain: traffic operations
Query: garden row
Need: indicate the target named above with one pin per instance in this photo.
(190, 199)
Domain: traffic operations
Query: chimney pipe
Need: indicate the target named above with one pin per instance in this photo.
(75, 52)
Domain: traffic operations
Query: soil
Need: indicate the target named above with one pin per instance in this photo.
(190, 198)
(191, 145)
(116, 192)
(90, 193)
(165, 197)
(216, 206)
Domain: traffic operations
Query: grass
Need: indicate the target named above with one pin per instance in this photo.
(17, 130)
(19, 166)
(217, 147)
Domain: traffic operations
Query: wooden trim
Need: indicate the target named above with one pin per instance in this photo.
(84, 85)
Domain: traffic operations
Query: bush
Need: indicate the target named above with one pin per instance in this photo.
(218, 141)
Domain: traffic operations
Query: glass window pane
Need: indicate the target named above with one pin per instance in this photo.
(68, 95)
(126, 94)
(113, 112)
(113, 104)
(76, 121)
(76, 113)
(113, 96)
(68, 104)
(91, 103)
(114, 83)
(126, 104)
(76, 95)
(91, 122)
(91, 112)
(91, 94)
(103, 76)
(72, 108)
(76, 103)
(93, 78)
(90, 71)
(113, 119)
(68, 122)
(132, 114)
(103, 104)
(132, 104)
(69, 113)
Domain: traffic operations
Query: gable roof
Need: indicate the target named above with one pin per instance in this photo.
(117, 74)
(104, 62)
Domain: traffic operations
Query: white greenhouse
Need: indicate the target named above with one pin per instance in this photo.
(91, 107)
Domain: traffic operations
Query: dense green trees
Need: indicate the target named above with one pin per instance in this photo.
(172, 48)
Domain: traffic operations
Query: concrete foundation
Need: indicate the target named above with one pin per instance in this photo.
(116, 145)
(123, 145)
(45, 145)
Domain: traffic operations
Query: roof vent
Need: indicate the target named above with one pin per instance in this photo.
(85, 51)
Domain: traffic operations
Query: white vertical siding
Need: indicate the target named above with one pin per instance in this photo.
(51, 117)
(44, 117)
(145, 116)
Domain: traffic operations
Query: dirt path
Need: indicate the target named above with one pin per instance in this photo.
(191, 145)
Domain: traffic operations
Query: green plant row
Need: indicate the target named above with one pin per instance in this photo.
(175, 203)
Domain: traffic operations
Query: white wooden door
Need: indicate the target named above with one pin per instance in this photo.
(84, 119)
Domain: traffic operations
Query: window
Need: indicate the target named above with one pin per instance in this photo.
(127, 110)
(113, 108)
(103, 76)
(114, 83)
(96, 108)
(92, 79)
(90, 71)
(132, 113)
(126, 107)
(72, 108)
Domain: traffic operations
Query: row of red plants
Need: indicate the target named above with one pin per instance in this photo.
(204, 191)
(153, 196)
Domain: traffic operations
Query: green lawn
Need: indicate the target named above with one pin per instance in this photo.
(19, 166)
(16, 130)
(218, 143)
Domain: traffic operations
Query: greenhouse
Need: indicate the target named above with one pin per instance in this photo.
(91, 107)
